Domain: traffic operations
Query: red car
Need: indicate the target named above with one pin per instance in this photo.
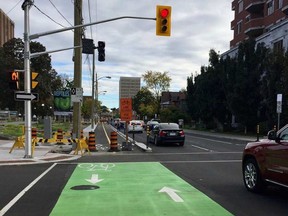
(266, 161)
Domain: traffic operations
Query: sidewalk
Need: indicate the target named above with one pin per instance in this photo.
(43, 153)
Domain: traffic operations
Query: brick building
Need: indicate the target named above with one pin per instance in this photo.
(263, 20)
(6, 28)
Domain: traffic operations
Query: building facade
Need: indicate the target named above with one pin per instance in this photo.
(129, 86)
(6, 28)
(265, 21)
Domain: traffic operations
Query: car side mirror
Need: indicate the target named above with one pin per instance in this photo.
(272, 135)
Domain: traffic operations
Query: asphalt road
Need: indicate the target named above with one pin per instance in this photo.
(210, 163)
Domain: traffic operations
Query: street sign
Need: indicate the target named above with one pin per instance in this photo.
(126, 109)
(77, 95)
(22, 96)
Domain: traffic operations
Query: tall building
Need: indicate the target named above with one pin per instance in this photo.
(128, 87)
(263, 20)
(6, 28)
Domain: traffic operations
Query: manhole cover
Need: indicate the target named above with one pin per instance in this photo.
(85, 187)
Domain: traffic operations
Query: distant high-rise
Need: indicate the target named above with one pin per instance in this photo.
(6, 28)
(129, 86)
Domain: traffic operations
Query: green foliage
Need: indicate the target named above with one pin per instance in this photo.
(12, 57)
(144, 103)
(157, 82)
(245, 86)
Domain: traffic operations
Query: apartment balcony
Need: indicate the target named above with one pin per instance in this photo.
(233, 5)
(256, 7)
(285, 10)
(254, 27)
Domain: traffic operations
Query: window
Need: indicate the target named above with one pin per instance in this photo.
(280, 4)
(270, 7)
(240, 6)
(278, 46)
(239, 27)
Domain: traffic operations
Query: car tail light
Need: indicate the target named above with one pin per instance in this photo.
(181, 133)
(162, 133)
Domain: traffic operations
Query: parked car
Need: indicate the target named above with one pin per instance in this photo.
(135, 126)
(167, 133)
(266, 161)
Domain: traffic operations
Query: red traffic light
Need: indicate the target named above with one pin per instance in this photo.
(164, 13)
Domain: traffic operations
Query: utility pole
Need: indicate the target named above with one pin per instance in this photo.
(77, 66)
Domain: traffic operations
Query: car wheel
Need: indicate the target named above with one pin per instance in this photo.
(181, 143)
(252, 176)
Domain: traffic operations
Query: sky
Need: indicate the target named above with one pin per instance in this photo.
(132, 47)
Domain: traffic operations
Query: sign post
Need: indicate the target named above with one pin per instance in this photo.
(279, 108)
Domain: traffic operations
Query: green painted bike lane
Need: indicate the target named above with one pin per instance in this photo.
(131, 189)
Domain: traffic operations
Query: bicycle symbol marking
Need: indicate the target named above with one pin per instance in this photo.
(95, 167)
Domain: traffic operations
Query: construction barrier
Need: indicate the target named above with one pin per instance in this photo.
(82, 147)
(59, 136)
(34, 133)
(92, 141)
(113, 142)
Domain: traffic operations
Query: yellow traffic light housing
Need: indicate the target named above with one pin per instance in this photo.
(163, 20)
(34, 83)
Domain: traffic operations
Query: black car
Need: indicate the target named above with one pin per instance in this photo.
(167, 133)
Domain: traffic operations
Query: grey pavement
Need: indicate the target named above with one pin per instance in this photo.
(43, 153)
(47, 153)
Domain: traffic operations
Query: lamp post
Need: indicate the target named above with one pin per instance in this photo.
(95, 92)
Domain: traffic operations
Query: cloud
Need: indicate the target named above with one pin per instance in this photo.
(132, 47)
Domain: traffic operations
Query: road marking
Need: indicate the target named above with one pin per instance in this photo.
(16, 198)
(172, 193)
(133, 189)
(94, 179)
(213, 140)
(205, 149)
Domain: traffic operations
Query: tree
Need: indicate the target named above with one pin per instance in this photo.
(143, 99)
(12, 57)
(157, 82)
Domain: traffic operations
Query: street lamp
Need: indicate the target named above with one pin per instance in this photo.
(95, 92)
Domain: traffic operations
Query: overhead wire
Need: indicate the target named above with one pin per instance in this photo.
(13, 7)
(60, 12)
(48, 16)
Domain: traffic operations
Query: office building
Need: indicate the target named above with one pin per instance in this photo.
(6, 28)
(129, 86)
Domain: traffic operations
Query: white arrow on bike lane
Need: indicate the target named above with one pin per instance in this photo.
(94, 179)
(172, 193)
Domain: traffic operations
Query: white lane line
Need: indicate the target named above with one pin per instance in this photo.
(204, 161)
(16, 198)
(212, 140)
(205, 149)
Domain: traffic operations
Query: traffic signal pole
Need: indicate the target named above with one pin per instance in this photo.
(27, 73)
(27, 80)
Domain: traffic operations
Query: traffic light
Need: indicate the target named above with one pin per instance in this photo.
(163, 20)
(101, 51)
(14, 80)
(34, 83)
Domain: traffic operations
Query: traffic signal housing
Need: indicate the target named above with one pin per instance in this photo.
(163, 20)
(14, 80)
(33, 77)
(101, 51)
